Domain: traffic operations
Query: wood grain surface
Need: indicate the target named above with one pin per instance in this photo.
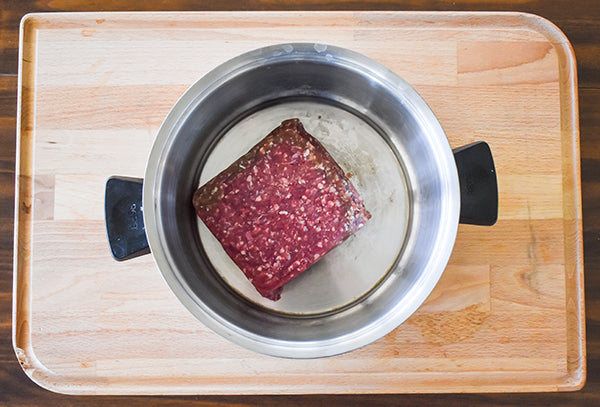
(580, 23)
(505, 315)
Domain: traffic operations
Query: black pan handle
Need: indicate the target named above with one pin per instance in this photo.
(478, 184)
(124, 218)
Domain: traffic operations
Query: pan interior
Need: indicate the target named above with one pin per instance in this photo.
(351, 270)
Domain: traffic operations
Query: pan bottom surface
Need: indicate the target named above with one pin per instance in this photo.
(351, 270)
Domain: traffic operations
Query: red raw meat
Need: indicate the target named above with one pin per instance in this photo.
(280, 207)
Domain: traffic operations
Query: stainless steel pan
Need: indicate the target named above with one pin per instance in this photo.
(377, 128)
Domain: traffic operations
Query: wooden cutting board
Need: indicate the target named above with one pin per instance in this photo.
(508, 313)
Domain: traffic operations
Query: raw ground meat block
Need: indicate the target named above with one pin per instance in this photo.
(279, 208)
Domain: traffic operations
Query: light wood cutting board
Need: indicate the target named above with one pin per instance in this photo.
(507, 314)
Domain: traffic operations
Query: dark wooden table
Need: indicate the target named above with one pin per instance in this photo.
(580, 21)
